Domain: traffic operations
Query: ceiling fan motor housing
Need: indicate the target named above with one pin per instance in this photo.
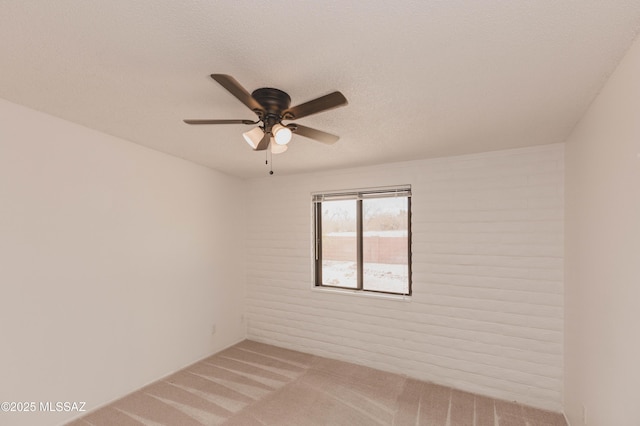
(274, 101)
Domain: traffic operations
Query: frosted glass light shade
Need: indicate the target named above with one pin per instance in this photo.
(281, 134)
(277, 149)
(253, 137)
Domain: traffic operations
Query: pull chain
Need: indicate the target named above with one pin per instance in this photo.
(266, 159)
(271, 164)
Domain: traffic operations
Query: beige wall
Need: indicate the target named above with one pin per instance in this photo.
(602, 343)
(115, 262)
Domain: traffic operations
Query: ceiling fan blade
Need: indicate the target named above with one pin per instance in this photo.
(318, 135)
(220, 122)
(236, 89)
(323, 103)
(264, 143)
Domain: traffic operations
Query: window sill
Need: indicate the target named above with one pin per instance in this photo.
(360, 293)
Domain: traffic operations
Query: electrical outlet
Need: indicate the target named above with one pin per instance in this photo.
(213, 329)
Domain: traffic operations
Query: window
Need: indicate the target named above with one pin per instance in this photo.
(363, 240)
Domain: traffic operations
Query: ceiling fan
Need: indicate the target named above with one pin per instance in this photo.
(272, 106)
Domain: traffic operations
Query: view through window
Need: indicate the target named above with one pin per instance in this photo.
(363, 240)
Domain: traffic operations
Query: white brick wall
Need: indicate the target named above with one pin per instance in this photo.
(486, 313)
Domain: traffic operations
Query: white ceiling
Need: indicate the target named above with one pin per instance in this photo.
(424, 78)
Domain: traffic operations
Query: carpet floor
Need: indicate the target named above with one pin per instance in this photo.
(253, 384)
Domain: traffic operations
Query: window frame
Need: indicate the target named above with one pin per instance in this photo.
(359, 195)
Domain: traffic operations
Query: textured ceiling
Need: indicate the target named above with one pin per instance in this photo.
(424, 78)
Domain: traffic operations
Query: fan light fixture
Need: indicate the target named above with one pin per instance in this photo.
(253, 137)
(281, 134)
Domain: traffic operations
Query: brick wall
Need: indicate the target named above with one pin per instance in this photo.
(486, 312)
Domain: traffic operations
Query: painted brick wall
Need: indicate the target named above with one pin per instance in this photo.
(486, 313)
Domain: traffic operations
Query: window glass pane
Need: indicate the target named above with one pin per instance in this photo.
(339, 244)
(385, 244)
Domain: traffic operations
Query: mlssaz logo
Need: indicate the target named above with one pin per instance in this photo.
(60, 406)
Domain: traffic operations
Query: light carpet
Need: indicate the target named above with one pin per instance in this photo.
(254, 384)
